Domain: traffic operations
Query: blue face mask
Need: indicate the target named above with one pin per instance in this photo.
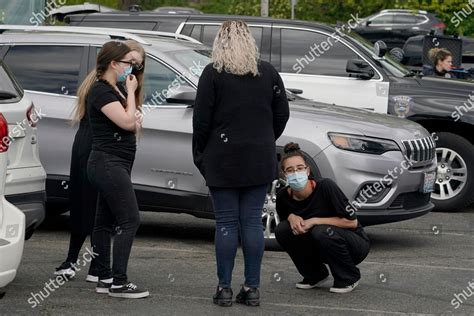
(126, 73)
(298, 180)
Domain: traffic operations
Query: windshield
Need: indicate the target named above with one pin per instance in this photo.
(193, 60)
(388, 63)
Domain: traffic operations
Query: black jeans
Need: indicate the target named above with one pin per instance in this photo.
(342, 249)
(75, 244)
(117, 208)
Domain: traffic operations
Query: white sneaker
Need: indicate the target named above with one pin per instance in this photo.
(306, 284)
(92, 278)
(345, 289)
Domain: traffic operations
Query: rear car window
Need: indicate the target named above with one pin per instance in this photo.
(52, 69)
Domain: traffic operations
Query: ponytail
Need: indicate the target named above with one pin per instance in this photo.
(82, 93)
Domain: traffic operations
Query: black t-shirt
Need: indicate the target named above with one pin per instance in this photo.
(327, 200)
(106, 135)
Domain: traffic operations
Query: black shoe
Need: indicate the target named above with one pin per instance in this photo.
(66, 269)
(128, 290)
(223, 297)
(103, 287)
(251, 297)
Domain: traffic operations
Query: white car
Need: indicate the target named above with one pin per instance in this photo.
(12, 221)
(25, 175)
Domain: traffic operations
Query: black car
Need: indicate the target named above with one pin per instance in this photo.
(349, 73)
(394, 27)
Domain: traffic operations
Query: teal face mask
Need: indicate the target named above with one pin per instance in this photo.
(297, 181)
(126, 73)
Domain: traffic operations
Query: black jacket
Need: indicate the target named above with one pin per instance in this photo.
(236, 121)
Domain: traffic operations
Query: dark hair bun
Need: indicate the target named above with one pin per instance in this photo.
(291, 148)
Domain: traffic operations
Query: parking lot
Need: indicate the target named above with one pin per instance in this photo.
(414, 267)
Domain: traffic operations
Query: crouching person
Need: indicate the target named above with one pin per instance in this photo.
(318, 227)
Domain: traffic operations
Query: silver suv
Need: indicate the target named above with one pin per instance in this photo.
(360, 150)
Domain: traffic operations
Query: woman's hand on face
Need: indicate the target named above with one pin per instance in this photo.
(297, 224)
(131, 83)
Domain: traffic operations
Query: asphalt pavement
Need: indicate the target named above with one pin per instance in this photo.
(423, 266)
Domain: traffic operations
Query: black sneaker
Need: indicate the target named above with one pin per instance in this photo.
(344, 289)
(103, 287)
(251, 297)
(307, 284)
(223, 297)
(66, 269)
(128, 290)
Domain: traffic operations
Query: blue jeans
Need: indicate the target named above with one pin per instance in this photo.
(239, 210)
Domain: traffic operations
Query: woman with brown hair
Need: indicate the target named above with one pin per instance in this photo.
(82, 196)
(241, 109)
(442, 62)
(318, 226)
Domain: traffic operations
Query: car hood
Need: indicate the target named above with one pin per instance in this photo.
(356, 121)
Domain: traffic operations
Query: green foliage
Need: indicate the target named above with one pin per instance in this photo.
(317, 10)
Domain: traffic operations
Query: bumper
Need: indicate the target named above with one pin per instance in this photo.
(12, 236)
(33, 206)
(400, 200)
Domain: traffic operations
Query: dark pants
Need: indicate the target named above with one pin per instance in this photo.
(117, 213)
(239, 210)
(342, 249)
(75, 244)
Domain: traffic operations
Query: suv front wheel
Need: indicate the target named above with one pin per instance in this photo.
(454, 189)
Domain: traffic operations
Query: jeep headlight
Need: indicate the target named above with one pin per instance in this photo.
(362, 144)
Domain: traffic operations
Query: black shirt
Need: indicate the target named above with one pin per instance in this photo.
(326, 200)
(236, 120)
(106, 135)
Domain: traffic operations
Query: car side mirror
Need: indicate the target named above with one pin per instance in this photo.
(182, 94)
(359, 69)
(367, 23)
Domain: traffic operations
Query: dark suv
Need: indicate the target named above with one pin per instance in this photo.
(349, 73)
(394, 27)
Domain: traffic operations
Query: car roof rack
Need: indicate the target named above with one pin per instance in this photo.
(404, 11)
(160, 34)
(112, 33)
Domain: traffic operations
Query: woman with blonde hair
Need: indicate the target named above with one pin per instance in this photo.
(241, 109)
(82, 196)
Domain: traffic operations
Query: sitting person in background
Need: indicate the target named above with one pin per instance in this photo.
(442, 63)
(318, 226)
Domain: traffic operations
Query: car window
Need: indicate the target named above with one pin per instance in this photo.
(404, 19)
(196, 32)
(158, 81)
(209, 32)
(8, 90)
(313, 53)
(53, 69)
(382, 19)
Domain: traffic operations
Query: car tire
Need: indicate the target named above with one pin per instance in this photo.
(454, 191)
